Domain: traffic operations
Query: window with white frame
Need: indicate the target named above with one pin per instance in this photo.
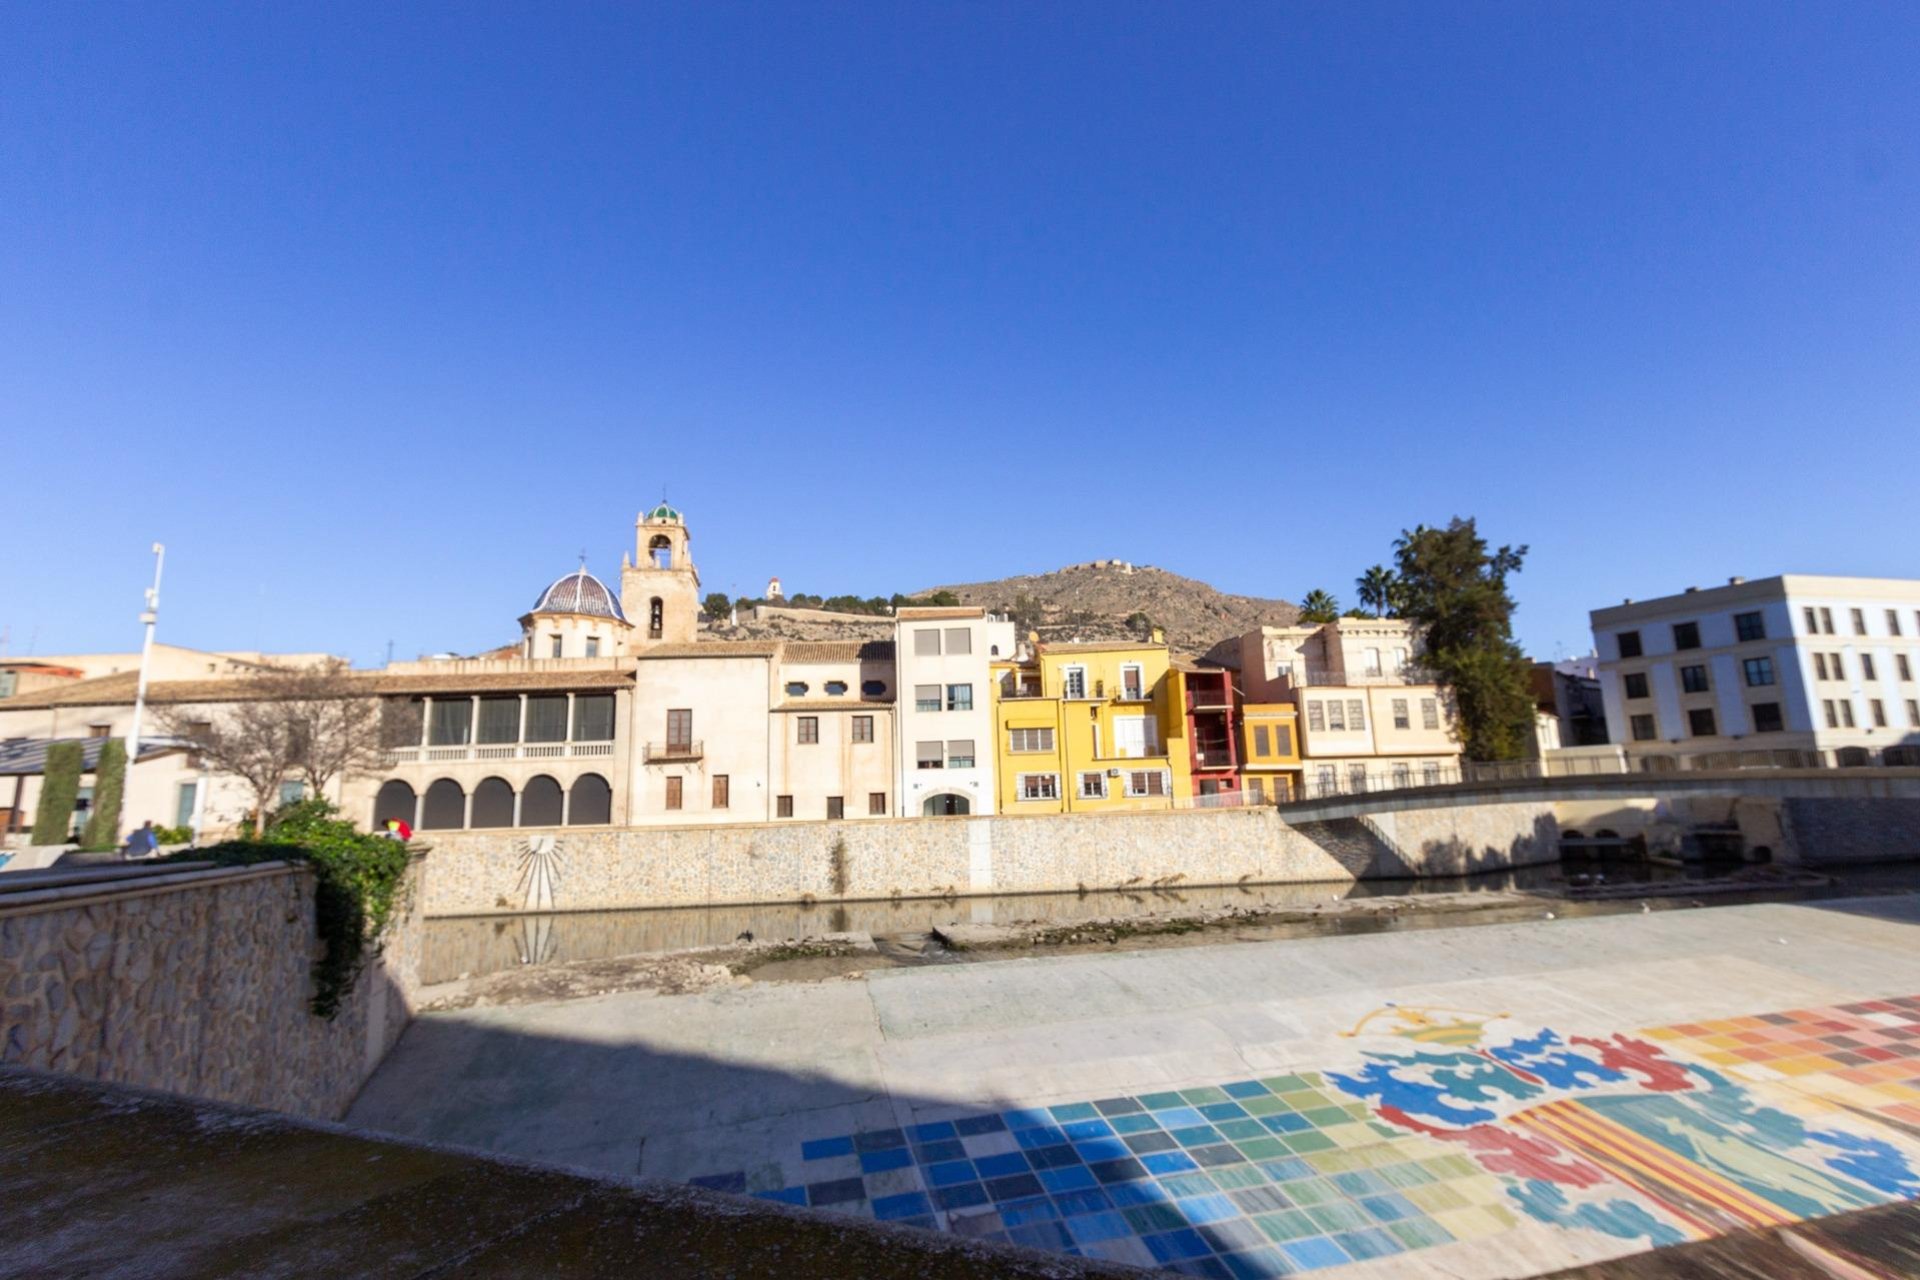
(1133, 681)
(926, 697)
(1146, 782)
(1039, 786)
(1403, 775)
(1373, 662)
(1336, 715)
(929, 755)
(1316, 715)
(1323, 779)
(1399, 661)
(1402, 718)
(959, 697)
(1430, 773)
(1073, 682)
(1021, 741)
(1356, 714)
(1134, 737)
(960, 753)
(1429, 713)
(1093, 786)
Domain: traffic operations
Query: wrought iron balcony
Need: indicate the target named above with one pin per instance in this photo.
(658, 752)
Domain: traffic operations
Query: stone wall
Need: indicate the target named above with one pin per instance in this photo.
(1866, 830)
(198, 983)
(576, 869)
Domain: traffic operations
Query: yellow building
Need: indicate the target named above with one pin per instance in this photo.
(1270, 752)
(1090, 728)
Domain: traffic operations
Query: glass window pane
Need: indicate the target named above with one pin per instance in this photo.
(452, 719)
(499, 720)
(593, 717)
(547, 718)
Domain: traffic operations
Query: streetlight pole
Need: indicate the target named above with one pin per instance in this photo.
(148, 616)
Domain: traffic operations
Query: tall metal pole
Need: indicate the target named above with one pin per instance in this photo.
(148, 616)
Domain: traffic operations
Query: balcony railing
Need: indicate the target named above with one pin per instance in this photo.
(496, 751)
(660, 751)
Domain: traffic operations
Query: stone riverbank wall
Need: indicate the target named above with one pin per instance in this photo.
(196, 982)
(583, 869)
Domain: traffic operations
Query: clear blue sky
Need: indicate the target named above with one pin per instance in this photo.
(377, 318)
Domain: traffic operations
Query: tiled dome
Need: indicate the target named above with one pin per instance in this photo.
(664, 514)
(579, 592)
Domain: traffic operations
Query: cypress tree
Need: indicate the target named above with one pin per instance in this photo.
(59, 788)
(109, 785)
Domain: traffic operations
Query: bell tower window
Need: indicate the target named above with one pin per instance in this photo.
(656, 618)
(660, 551)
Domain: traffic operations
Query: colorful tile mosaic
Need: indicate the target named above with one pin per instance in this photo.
(1449, 1127)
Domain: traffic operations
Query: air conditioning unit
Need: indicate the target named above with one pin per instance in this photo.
(1113, 773)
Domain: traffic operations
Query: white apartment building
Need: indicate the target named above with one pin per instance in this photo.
(945, 708)
(1794, 668)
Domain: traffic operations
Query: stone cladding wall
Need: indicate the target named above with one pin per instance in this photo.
(579, 868)
(202, 988)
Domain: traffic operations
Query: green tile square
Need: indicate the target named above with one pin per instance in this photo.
(1264, 1149)
(1205, 1094)
(1309, 1099)
(1325, 1117)
(1404, 1174)
(1284, 1084)
(1287, 1224)
(1436, 1197)
(1312, 1191)
(1182, 1185)
(1419, 1233)
(1267, 1106)
(1236, 1177)
(1337, 1161)
(1307, 1142)
(1238, 1129)
(1160, 1101)
(1339, 1216)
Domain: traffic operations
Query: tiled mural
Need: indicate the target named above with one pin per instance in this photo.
(1448, 1125)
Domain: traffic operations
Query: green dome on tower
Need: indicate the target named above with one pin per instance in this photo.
(665, 513)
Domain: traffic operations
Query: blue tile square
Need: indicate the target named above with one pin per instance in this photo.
(893, 1208)
(1142, 1143)
(1026, 1117)
(1142, 1123)
(952, 1173)
(1018, 1187)
(1214, 1208)
(927, 1223)
(1018, 1213)
(1390, 1208)
(879, 1140)
(973, 1126)
(1286, 1170)
(935, 1152)
(1053, 1157)
(1075, 1177)
(1074, 1111)
(1361, 1182)
(735, 1182)
(1041, 1235)
(1164, 1162)
(1256, 1264)
(1039, 1136)
(1288, 1123)
(1179, 1117)
(1078, 1129)
(1200, 1135)
(1371, 1243)
(1190, 1184)
(1130, 1195)
(1224, 1111)
(1214, 1157)
(1091, 1228)
(1211, 1268)
(881, 1161)
(836, 1191)
(1118, 1106)
(785, 1195)
(1074, 1203)
(1109, 1171)
(934, 1132)
(1169, 1246)
(1245, 1089)
(967, 1195)
(1000, 1166)
(823, 1148)
(1093, 1149)
(1317, 1252)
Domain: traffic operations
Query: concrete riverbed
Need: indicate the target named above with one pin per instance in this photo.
(1494, 1101)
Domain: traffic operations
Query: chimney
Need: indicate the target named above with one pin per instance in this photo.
(1691, 590)
(1735, 580)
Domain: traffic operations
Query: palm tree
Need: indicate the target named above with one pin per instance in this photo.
(1379, 589)
(1318, 606)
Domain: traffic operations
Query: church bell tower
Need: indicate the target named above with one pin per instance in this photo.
(660, 588)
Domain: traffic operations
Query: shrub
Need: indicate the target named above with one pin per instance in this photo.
(172, 835)
(109, 785)
(59, 788)
(356, 881)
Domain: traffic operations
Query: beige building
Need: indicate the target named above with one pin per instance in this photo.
(1368, 718)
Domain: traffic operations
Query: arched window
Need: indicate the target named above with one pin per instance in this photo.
(446, 805)
(591, 803)
(946, 805)
(656, 618)
(660, 551)
(873, 688)
(540, 803)
(493, 803)
(395, 800)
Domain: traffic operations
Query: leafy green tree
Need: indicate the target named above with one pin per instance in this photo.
(1318, 606)
(109, 785)
(716, 606)
(1379, 590)
(59, 788)
(1456, 589)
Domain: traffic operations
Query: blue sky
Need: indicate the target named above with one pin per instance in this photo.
(378, 318)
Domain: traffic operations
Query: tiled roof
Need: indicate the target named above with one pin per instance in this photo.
(832, 704)
(942, 612)
(838, 651)
(118, 690)
(1101, 646)
(713, 649)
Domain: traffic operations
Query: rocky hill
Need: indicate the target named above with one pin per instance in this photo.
(1111, 599)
